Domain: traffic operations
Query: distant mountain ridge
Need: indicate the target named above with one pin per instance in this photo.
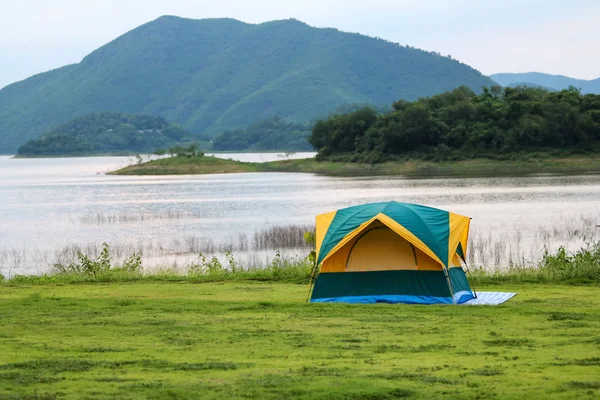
(218, 74)
(552, 82)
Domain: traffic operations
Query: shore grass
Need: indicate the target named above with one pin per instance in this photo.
(161, 340)
(414, 168)
(185, 165)
(424, 169)
(578, 267)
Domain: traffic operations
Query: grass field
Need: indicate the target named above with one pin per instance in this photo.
(162, 340)
(415, 168)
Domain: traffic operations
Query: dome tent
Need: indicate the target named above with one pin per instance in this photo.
(391, 253)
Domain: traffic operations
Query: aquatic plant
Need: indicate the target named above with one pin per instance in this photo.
(86, 265)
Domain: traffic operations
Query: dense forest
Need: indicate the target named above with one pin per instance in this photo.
(219, 74)
(271, 134)
(461, 124)
(107, 133)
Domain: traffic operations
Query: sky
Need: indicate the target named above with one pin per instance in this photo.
(551, 36)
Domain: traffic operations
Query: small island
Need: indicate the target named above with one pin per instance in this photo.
(108, 133)
(197, 164)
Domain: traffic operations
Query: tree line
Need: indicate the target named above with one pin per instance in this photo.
(274, 133)
(461, 124)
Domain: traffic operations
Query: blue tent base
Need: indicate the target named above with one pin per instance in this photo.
(465, 298)
(393, 286)
(461, 297)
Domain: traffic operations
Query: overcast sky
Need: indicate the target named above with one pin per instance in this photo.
(552, 36)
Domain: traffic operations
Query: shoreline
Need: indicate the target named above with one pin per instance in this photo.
(409, 169)
(133, 154)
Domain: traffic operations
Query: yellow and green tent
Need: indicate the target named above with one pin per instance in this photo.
(391, 253)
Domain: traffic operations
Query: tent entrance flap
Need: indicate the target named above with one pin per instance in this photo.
(391, 224)
(381, 249)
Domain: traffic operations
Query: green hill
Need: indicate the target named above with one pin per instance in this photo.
(218, 74)
(547, 81)
(107, 133)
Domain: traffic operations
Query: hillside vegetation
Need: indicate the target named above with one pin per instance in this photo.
(221, 74)
(270, 134)
(107, 133)
(547, 81)
(499, 123)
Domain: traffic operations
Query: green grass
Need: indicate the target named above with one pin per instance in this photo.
(287, 272)
(415, 168)
(177, 340)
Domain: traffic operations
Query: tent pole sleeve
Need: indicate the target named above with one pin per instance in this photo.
(469, 280)
(311, 282)
(447, 273)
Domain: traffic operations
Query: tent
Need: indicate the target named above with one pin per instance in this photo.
(391, 253)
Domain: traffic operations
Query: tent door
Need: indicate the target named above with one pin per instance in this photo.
(381, 249)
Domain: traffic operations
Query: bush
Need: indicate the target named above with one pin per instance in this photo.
(190, 151)
(206, 267)
(280, 269)
(133, 263)
(582, 265)
(102, 265)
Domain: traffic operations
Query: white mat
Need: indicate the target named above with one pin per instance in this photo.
(490, 298)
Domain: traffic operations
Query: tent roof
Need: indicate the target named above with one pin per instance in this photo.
(436, 232)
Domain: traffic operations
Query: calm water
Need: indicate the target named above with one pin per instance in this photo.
(49, 204)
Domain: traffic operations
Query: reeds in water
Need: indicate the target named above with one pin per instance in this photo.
(174, 251)
(99, 219)
(285, 237)
(493, 250)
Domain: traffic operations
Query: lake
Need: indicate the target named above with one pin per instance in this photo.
(51, 207)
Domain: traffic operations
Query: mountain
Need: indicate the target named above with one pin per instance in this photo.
(107, 133)
(217, 74)
(551, 82)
